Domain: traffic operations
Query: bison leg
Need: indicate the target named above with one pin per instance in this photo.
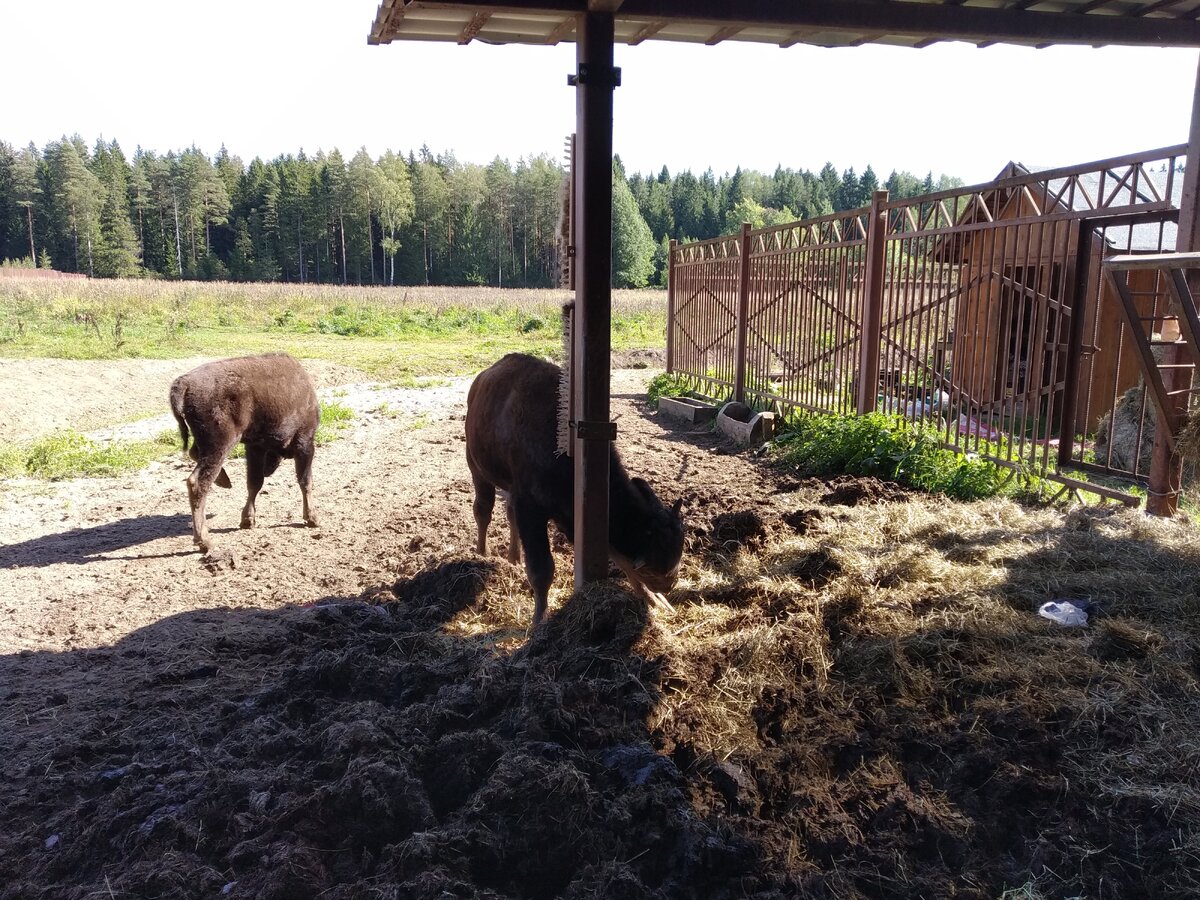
(208, 465)
(485, 501)
(305, 450)
(255, 473)
(539, 563)
(514, 539)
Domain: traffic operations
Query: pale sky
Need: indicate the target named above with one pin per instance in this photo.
(267, 77)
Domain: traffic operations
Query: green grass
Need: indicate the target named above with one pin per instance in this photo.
(886, 447)
(335, 418)
(389, 333)
(69, 454)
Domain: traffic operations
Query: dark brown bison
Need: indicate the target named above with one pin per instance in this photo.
(266, 402)
(512, 447)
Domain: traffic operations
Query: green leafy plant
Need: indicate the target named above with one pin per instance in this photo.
(667, 384)
(886, 447)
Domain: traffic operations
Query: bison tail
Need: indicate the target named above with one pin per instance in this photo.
(178, 390)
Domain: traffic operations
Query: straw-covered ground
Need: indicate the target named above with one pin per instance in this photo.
(853, 696)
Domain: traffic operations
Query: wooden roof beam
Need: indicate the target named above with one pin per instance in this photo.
(1155, 7)
(723, 33)
(923, 20)
(561, 30)
(795, 37)
(647, 31)
(390, 13)
(472, 28)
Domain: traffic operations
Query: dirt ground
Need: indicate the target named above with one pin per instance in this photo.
(107, 612)
(359, 710)
(42, 395)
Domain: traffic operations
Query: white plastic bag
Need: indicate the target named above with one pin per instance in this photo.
(1064, 612)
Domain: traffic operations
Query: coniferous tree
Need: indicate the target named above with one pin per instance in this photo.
(396, 205)
(26, 191)
(632, 244)
(431, 200)
(117, 253)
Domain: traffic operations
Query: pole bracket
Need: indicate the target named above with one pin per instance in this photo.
(587, 74)
(595, 431)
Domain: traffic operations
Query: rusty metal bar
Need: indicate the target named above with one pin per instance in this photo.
(872, 319)
(1153, 377)
(1166, 467)
(743, 317)
(672, 324)
(1079, 285)
(595, 81)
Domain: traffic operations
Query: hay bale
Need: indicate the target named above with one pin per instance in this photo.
(1117, 432)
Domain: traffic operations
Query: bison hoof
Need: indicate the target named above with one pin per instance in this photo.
(205, 545)
(311, 521)
(247, 522)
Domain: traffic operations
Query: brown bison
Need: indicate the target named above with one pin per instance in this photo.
(266, 402)
(512, 447)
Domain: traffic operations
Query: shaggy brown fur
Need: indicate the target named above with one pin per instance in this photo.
(511, 440)
(266, 402)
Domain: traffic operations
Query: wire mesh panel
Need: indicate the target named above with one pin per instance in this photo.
(703, 320)
(804, 313)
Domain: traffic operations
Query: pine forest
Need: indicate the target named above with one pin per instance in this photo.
(396, 219)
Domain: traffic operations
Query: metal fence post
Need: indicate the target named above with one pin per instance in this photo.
(872, 315)
(1166, 466)
(743, 316)
(1080, 290)
(671, 305)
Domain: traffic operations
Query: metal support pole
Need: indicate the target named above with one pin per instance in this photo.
(1166, 467)
(671, 305)
(742, 324)
(872, 316)
(594, 83)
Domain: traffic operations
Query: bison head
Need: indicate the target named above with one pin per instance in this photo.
(646, 537)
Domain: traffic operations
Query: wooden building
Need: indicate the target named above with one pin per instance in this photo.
(1019, 286)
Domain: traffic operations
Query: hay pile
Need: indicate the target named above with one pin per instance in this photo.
(848, 701)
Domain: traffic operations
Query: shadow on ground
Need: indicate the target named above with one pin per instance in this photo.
(85, 545)
(334, 749)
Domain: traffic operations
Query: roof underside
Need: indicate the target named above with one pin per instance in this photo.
(826, 23)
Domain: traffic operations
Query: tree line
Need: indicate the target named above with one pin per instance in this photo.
(396, 219)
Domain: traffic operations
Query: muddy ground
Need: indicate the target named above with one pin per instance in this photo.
(359, 710)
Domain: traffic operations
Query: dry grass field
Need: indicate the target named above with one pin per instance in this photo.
(388, 333)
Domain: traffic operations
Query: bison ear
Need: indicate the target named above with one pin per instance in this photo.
(677, 506)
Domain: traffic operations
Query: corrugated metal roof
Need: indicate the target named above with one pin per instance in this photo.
(827, 23)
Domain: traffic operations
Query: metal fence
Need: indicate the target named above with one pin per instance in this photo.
(979, 311)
